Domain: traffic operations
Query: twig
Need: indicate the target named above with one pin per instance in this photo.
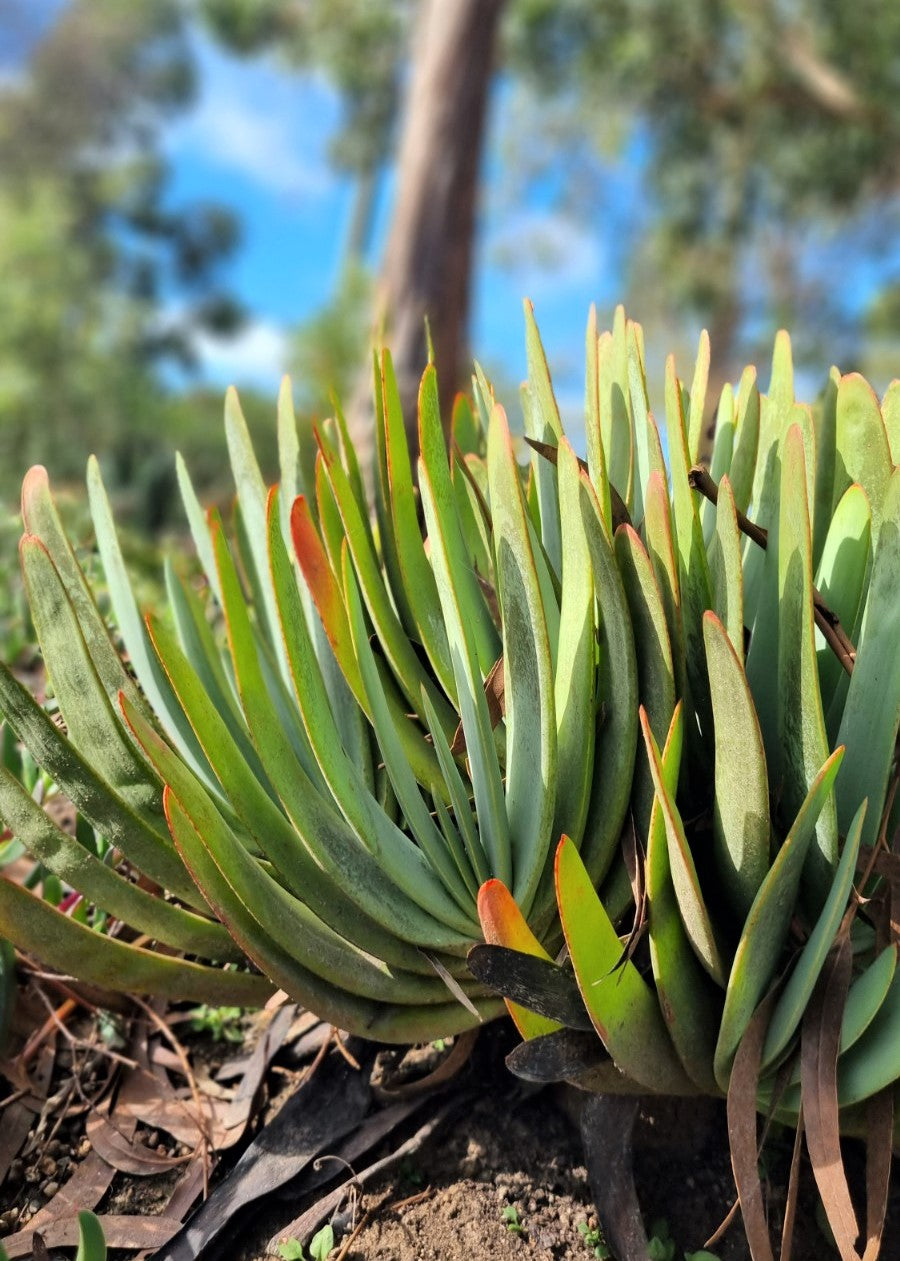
(201, 1118)
(827, 620)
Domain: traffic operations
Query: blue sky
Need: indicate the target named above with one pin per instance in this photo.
(257, 140)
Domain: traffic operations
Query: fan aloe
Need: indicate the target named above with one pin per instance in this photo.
(324, 792)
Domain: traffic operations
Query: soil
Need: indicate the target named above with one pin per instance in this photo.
(503, 1179)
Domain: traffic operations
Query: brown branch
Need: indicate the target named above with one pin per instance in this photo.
(827, 620)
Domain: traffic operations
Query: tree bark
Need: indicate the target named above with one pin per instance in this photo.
(427, 265)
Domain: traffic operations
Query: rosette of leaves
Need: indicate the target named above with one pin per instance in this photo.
(317, 761)
(758, 959)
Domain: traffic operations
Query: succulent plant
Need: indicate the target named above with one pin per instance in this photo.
(315, 763)
(763, 603)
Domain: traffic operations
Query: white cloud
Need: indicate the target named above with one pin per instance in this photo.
(258, 355)
(253, 118)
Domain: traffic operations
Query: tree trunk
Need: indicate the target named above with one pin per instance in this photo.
(428, 259)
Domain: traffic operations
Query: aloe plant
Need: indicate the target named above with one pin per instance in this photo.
(763, 609)
(302, 765)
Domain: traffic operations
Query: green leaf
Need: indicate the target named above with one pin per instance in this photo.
(872, 713)
(144, 845)
(723, 447)
(617, 695)
(693, 567)
(622, 1006)
(91, 1243)
(656, 680)
(92, 723)
(746, 439)
(76, 950)
(691, 905)
(842, 580)
(687, 998)
(530, 711)
(802, 738)
(795, 996)
(542, 423)
(615, 402)
(766, 927)
(453, 868)
(321, 1244)
(741, 807)
(596, 457)
(78, 867)
(726, 572)
(42, 521)
(574, 682)
(863, 450)
(152, 678)
(453, 575)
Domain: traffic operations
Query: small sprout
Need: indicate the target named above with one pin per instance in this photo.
(661, 1246)
(322, 1244)
(594, 1240)
(110, 1028)
(510, 1215)
(221, 1023)
(291, 1250)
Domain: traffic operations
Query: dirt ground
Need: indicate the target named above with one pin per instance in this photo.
(501, 1178)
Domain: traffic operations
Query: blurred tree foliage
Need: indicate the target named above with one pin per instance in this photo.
(91, 253)
(757, 121)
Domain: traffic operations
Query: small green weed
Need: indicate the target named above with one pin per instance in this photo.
(594, 1240)
(221, 1023)
(661, 1246)
(510, 1216)
(321, 1247)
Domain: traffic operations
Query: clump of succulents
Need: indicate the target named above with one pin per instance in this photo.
(763, 597)
(351, 755)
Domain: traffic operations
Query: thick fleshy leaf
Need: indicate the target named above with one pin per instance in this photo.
(725, 568)
(574, 682)
(142, 843)
(528, 678)
(765, 930)
(450, 864)
(691, 905)
(503, 924)
(863, 450)
(542, 422)
(378, 1021)
(661, 550)
(73, 949)
(741, 807)
(73, 863)
(687, 998)
(42, 520)
(151, 676)
(596, 456)
(447, 554)
(622, 1006)
(795, 996)
(746, 439)
(872, 713)
(720, 463)
(656, 680)
(693, 567)
(803, 742)
(842, 580)
(615, 407)
(617, 696)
